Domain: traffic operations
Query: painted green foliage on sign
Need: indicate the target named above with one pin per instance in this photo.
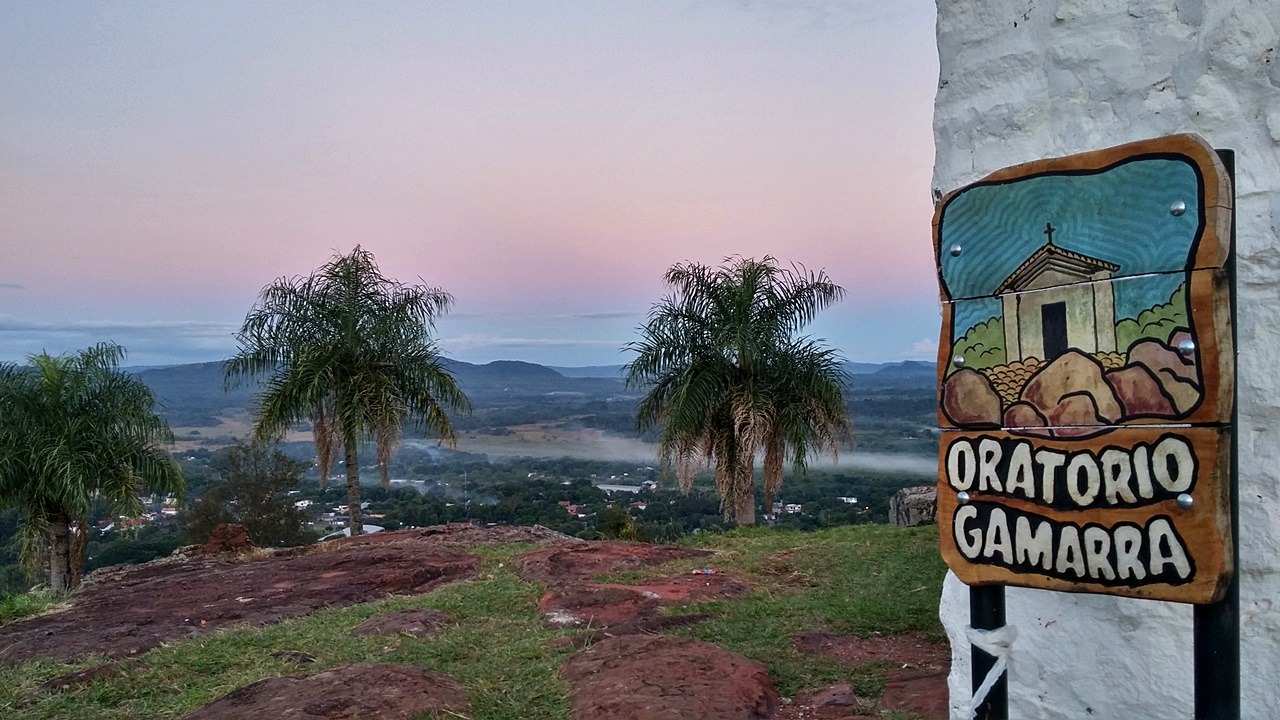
(982, 346)
(1157, 323)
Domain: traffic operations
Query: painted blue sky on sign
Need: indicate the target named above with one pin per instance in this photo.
(1120, 215)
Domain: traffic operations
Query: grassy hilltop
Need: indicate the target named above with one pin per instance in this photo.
(858, 580)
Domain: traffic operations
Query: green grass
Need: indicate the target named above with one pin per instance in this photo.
(16, 607)
(852, 579)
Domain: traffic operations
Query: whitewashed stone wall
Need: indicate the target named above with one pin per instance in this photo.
(1028, 79)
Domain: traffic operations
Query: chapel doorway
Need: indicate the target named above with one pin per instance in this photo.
(1053, 327)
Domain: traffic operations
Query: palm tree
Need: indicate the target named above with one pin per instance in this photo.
(75, 426)
(349, 350)
(727, 377)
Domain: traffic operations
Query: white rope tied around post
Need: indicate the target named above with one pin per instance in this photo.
(996, 643)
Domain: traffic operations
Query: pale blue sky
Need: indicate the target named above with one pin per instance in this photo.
(544, 162)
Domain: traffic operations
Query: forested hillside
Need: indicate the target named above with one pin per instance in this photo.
(537, 441)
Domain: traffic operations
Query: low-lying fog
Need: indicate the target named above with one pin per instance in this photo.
(598, 446)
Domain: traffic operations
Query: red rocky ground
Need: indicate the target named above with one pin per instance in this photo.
(917, 675)
(230, 537)
(349, 692)
(644, 678)
(633, 608)
(468, 534)
(582, 561)
(629, 673)
(655, 677)
(571, 601)
(134, 610)
(837, 701)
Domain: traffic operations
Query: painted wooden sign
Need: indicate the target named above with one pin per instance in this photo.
(1086, 373)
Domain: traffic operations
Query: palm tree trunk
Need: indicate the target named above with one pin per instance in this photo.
(745, 510)
(745, 505)
(773, 450)
(79, 547)
(60, 554)
(355, 517)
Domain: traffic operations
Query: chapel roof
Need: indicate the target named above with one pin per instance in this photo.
(1054, 257)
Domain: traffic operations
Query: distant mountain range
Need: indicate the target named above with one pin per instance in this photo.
(196, 394)
(590, 371)
(901, 368)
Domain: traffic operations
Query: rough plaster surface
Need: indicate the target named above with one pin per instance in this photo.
(1028, 79)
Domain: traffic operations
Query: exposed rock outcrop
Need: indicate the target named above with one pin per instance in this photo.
(229, 538)
(464, 534)
(140, 607)
(657, 677)
(917, 681)
(596, 606)
(582, 561)
(622, 609)
(921, 692)
(913, 506)
(829, 703)
(366, 691)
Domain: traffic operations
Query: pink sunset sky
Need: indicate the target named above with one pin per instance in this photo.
(545, 162)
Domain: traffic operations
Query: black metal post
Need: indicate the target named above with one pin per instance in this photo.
(986, 612)
(1217, 626)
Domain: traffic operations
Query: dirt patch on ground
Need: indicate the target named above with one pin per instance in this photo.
(418, 623)
(655, 677)
(596, 606)
(688, 589)
(917, 678)
(607, 611)
(923, 692)
(837, 701)
(350, 692)
(624, 609)
(909, 649)
(465, 534)
(582, 561)
(131, 611)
